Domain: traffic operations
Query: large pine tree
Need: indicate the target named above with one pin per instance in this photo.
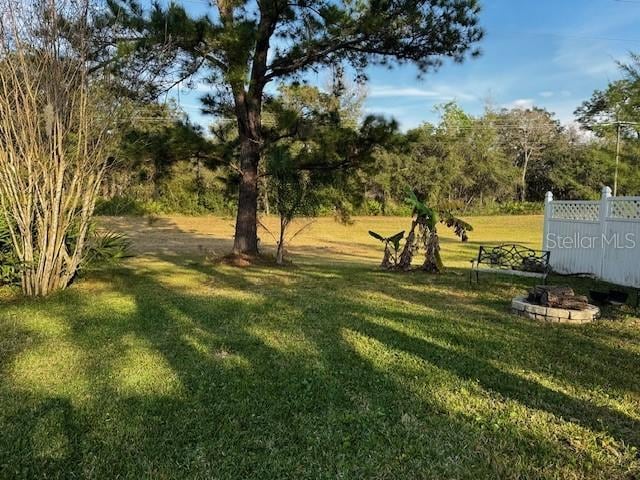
(243, 45)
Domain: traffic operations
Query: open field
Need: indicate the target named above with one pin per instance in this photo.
(324, 241)
(173, 367)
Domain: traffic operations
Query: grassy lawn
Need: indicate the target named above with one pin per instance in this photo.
(172, 367)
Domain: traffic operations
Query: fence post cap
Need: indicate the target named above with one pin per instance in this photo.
(606, 191)
(548, 197)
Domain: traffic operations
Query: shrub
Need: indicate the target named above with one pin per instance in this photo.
(371, 207)
(521, 208)
(103, 249)
(107, 248)
(9, 263)
(397, 210)
(180, 193)
(506, 208)
(127, 205)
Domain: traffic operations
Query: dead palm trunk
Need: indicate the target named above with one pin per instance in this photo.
(386, 258)
(406, 257)
(432, 261)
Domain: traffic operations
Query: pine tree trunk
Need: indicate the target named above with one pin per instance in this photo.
(265, 198)
(246, 236)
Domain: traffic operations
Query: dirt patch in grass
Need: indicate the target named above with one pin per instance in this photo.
(243, 260)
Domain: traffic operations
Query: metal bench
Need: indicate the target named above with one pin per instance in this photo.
(511, 259)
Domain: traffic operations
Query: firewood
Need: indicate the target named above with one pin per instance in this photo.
(535, 295)
(572, 302)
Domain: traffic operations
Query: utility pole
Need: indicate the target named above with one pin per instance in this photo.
(615, 175)
(618, 124)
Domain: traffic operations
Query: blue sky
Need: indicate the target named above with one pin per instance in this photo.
(535, 52)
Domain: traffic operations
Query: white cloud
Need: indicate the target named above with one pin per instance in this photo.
(384, 91)
(440, 92)
(522, 103)
(393, 111)
(563, 109)
(546, 94)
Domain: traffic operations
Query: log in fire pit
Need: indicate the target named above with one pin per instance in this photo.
(552, 303)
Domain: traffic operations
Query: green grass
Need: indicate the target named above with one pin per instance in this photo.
(170, 367)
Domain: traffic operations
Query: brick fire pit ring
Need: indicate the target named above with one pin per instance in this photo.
(524, 308)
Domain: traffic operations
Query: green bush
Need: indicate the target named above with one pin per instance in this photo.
(173, 200)
(9, 269)
(103, 249)
(397, 209)
(181, 193)
(106, 248)
(9, 263)
(216, 203)
(521, 208)
(503, 208)
(127, 205)
(371, 207)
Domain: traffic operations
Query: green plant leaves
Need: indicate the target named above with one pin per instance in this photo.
(377, 236)
(395, 239)
(421, 210)
(107, 248)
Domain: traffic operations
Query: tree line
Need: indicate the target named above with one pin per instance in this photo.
(503, 160)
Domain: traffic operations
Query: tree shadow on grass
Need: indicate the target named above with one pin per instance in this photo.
(263, 373)
(580, 356)
(42, 435)
(479, 320)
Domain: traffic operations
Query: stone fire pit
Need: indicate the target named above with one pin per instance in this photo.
(522, 307)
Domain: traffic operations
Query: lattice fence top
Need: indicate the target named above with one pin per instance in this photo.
(586, 211)
(624, 208)
(610, 225)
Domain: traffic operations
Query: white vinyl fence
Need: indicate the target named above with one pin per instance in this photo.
(601, 238)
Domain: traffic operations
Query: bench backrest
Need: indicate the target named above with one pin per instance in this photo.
(514, 257)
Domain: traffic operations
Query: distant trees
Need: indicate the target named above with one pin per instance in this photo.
(619, 102)
(613, 115)
(462, 163)
(152, 143)
(525, 134)
(466, 162)
(246, 45)
(457, 160)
